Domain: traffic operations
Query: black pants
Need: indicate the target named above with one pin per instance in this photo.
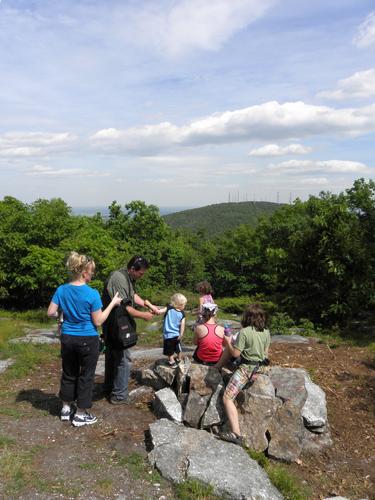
(79, 357)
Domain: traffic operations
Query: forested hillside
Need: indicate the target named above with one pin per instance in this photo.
(215, 219)
(312, 259)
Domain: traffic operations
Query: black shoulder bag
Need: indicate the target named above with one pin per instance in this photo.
(126, 335)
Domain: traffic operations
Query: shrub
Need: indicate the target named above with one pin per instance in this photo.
(281, 323)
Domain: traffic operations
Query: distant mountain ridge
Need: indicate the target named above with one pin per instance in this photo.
(215, 219)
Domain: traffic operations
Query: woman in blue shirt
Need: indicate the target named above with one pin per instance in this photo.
(81, 307)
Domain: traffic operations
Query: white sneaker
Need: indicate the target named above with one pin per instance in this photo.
(65, 415)
(85, 419)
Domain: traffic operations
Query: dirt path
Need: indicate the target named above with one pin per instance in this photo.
(105, 461)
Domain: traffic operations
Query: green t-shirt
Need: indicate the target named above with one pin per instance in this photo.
(252, 344)
(120, 282)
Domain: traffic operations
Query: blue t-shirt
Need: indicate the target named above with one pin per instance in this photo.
(77, 303)
(172, 322)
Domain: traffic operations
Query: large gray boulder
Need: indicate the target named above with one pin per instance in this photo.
(195, 407)
(165, 372)
(204, 379)
(255, 417)
(287, 432)
(314, 411)
(147, 376)
(143, 394)
(167, 405)
(289, 384)
(181, 453)
(182, 378)
(38, 336)
(215, 413)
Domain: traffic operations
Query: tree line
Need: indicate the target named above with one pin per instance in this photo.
(314, 259)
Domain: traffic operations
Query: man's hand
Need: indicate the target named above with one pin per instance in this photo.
(147, 316)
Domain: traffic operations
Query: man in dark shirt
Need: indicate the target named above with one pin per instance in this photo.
(117, 359)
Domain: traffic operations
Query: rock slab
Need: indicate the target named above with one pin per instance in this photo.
(167, 405)
(5, 363)
(181, 453)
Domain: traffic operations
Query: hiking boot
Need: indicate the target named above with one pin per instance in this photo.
(85, 419)
(231, 437)
(114, 400)
(66, 415)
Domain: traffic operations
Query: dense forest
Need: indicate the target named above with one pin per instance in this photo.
(312, 259)
(212, 220)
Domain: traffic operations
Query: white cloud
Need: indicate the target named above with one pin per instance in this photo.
(34, 144)
(298, 167)
(47, 171)
(182, 26)
(314, 181)
(359, 85)
(17, 139)
(264, 122)
(365, 36)
(276, 150)
(21, 152)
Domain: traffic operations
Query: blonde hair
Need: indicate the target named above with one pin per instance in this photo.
(78, 263)
(178, 299)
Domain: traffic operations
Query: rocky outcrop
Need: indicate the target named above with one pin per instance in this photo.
(281, 413)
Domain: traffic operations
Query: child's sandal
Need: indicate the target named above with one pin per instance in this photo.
(232, 437)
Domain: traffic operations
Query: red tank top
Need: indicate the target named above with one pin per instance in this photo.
(210, 347)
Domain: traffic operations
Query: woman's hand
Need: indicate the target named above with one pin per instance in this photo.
(116, 299)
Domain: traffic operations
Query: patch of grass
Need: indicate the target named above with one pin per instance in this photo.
(16, 469)
(6, 441)
(258, 456)
(371, 349)
(34, 315)
(59, 486)
(135, 463)
(287, 484)
(104, 486)
(194, 489)
(12, 412)
(312, 374)
(27, 357)
(290, 486)
(18, 475)
(88, 466)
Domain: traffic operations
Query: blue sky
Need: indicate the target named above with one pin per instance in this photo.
(185, 102)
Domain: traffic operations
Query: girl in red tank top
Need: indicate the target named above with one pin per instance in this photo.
(208, 337)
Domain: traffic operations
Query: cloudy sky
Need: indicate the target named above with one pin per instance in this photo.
(185, 102)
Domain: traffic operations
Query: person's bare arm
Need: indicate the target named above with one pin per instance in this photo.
(182, 327)
(98, 317)
(52, 311)
(201, 302)
(235, 353)
(146, 303)
(147, 316)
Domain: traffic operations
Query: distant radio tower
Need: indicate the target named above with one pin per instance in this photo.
(290, 198)
(278, 197)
